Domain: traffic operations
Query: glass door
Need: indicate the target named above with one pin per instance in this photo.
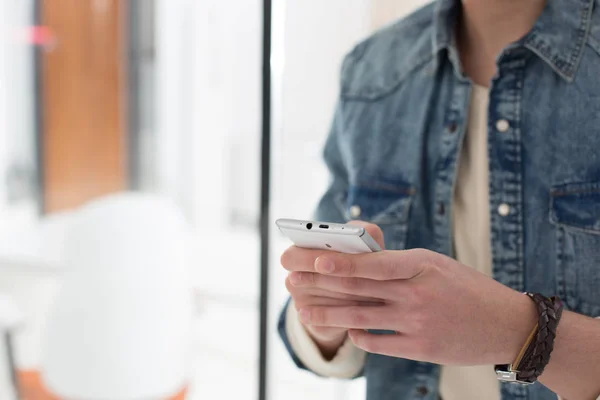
(310, 39)
(18, 161)
(155, 96)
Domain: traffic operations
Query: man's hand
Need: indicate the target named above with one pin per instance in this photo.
(442, 311)
(306, 294)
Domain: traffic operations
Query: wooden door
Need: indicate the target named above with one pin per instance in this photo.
(84, 89)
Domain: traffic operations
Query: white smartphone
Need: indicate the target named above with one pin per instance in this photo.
(343, 238)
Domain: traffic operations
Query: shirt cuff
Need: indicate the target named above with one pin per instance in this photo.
(347, 363)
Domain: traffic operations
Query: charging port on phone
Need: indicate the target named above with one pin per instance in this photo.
(324, 226)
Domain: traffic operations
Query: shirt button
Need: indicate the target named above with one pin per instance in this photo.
(441, 208)
(503, 209)
(422, 391)
(355, 211)
(502, 125)
(452, 128)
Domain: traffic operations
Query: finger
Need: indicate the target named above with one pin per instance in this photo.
(383, 265)
(373, 230)
(375, 317)
(398, 345)
(314, 294)
(297, 283)
(300, 259)
(310, 293)
(348, 285)
(302, 302)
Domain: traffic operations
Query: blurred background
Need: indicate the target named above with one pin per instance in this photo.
(100, 99)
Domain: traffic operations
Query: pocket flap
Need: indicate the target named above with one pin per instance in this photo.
(378, 202)
(576, 205)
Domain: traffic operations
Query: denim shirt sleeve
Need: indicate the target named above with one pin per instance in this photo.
(327, 209)
(281, 328)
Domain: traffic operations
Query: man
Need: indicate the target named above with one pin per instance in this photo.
(468, 130)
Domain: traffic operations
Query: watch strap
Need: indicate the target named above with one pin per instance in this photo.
(535, 353)
(538, 353)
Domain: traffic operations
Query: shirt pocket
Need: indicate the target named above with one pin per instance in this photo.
(384, 204)
(575, 211)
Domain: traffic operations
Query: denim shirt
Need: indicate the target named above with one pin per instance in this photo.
(395, 142)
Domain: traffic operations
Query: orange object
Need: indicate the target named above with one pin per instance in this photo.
(32, 387)
(84, 101)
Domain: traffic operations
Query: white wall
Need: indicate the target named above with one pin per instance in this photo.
(208, 99)
(172, 123)
(16, 148)
(208, 107)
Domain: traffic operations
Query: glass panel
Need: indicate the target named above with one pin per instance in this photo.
(160, 96)
(18, 169)
(310, 39)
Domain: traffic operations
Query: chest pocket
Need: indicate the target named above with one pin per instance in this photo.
(575, 210)
(384, 204)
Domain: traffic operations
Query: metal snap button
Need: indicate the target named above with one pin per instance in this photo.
(503, 209)
(355, 211)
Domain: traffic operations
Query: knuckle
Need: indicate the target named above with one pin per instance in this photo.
(377, 229)
(348, 267)
(358, 318)
(368, 344)
(419, 295)
(287, 257)
(319, 330)
(420, 323)
(389, 269)
(374, 230)
(288, 285)
(424, 256)
(322, 331)
(318, 317)
(351, 283)
(300, 302)
(420, 252)
(424, 348)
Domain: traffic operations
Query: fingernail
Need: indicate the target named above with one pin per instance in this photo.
(324, 266)
(295, 278)
(304, 315)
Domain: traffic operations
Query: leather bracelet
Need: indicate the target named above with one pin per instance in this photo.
(535, 355)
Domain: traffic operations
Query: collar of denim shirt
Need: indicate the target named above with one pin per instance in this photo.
(558, 36)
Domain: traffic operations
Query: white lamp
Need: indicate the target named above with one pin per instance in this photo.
(120, 327)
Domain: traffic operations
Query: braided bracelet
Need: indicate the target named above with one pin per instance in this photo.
(535, 354)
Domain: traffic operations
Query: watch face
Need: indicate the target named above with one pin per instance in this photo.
(506, 376)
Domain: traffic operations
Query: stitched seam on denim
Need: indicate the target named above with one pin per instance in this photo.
(584, 229)
(379, 94)
(519, 175)
(576, 54)
(594, 44)
(386, 187)
(556, 221)
(563, 193)
(586, 16)
(560, 272)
